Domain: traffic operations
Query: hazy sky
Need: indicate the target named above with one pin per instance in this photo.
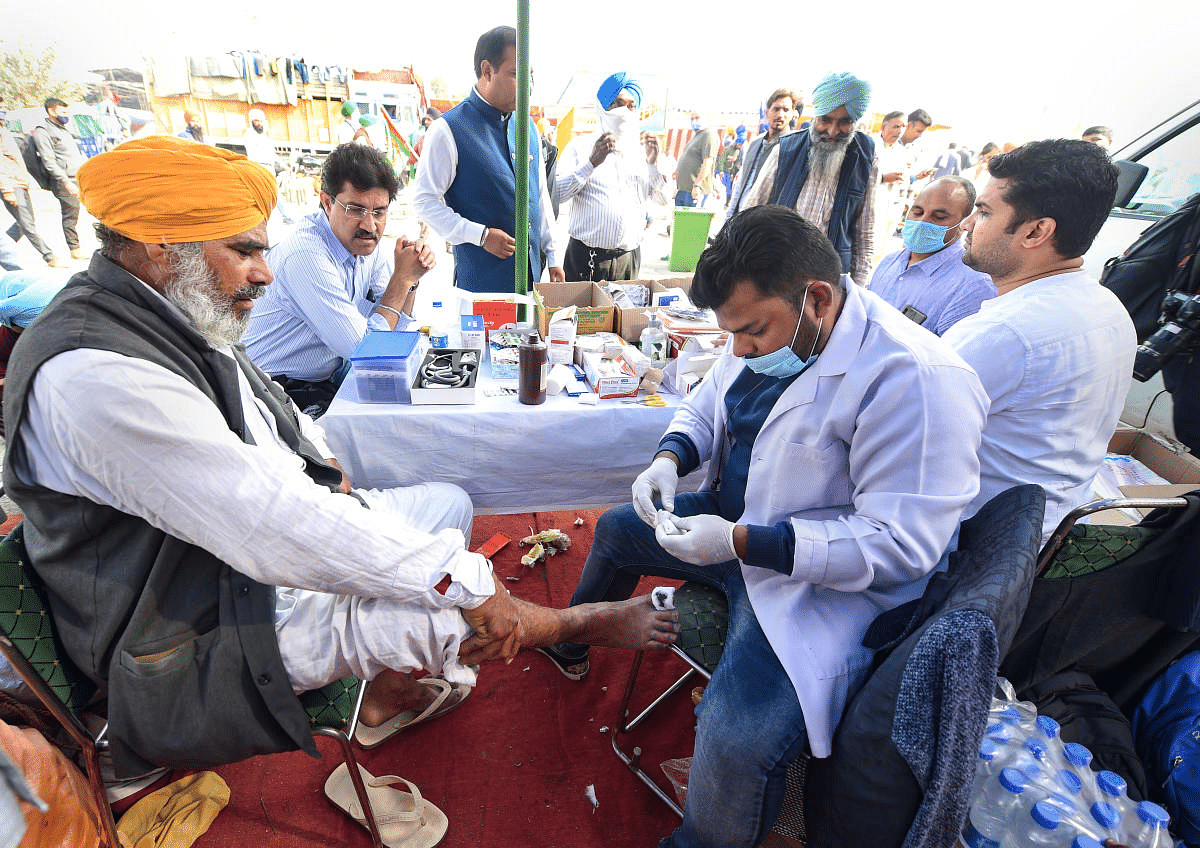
(995, 71)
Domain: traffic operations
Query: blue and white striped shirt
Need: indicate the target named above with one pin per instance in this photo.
(608, 202)
(320, 306)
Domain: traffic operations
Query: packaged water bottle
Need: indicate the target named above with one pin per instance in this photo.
(1040, 828)
(1148, 829)
(653, 340)
(989, 818)
(1078, 757)
(1084, 841)
(1111, 789)
(1067, 793)
(439, 327)
(1104, 822)
(1032, 758)
(986, 767)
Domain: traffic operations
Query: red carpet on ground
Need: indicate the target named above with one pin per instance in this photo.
(512, 767)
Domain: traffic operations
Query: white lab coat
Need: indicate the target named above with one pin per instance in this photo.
(872, 455)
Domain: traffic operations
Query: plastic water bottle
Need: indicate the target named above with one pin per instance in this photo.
(1032, 758)
(989, 818)
(1078, 757)
(1082, 840)
(1111, 789)
(439, 327)
(986, 767)
(1148, 828)
(1041, 827)
(1104, 822)
(1066, 794)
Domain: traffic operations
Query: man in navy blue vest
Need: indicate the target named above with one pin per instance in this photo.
(829, 173)
(466, 182)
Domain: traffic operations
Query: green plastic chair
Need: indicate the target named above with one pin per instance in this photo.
(29, 642)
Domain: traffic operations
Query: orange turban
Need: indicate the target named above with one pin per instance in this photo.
(163, 189)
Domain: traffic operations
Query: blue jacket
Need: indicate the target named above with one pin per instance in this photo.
(852, 185)
(485, 190)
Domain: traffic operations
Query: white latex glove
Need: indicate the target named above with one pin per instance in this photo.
(657, 481)
(699, 539)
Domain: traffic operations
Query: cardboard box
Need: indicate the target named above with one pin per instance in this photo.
(593, 307)
(1180, 469)
(450, 395)
(610, 375)
(497, 310)
(384, 365)
(633, 321)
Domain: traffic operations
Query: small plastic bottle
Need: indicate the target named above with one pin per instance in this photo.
(1039, 828)
(990, 816)
(1082, 840)
(986, 767)
(1105, 821)
(439, 326)
(654, 340)
(1149, 828)
(532, 368)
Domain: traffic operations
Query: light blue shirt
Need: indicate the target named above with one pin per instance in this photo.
(939, 286)
(320, 305)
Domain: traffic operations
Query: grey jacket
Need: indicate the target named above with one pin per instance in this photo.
(58, 149)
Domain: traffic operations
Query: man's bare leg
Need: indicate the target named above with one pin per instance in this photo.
(392, 692)
(634, 623)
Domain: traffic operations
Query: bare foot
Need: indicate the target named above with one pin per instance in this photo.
(634, 623)
(392, 692)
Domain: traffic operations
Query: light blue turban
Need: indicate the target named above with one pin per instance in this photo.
(614, 85)
(24, 294)
(841, 90)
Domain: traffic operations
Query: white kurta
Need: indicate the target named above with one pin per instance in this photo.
(871, 454)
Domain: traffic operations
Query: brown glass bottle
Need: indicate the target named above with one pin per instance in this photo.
(533, 366)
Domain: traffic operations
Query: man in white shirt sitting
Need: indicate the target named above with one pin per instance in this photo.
(204, 555)
(1054, 349)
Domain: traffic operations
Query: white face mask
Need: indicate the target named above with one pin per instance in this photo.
(624, 123)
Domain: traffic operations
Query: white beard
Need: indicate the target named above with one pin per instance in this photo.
(194, 291)
(825, 158)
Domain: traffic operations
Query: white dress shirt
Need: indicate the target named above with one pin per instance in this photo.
(1055, 357)
(435, 173)
(608, 201)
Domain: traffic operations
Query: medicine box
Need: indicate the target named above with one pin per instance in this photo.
(384, 364)
(610, 375)
(496, 310)
(472, 331)
(448, 361)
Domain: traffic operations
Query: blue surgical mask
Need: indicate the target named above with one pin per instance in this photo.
(924, 237)
(696, 126)
(62, 119)
(784, 362)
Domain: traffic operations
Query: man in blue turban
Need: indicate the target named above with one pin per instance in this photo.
(829, 173)
(610, 175)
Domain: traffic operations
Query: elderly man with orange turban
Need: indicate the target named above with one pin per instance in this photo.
(204, 555)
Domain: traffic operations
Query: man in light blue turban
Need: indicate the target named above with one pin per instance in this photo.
(830, 173)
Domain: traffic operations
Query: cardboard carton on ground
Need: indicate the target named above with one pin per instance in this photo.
(630, 322)
(1180, 469)
(593, 307)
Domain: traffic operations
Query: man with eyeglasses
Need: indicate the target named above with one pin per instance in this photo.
(332, 285)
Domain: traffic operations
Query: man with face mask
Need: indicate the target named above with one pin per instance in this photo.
(830, 173)
(694, 175)
(840, 443)
(927, 280)
(609, 176)
(58, 149)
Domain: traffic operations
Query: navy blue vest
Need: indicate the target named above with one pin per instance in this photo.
(852, 185)
(485, 191)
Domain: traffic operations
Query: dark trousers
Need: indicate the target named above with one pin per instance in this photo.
(70, 214)
(25, 223)
(586, 263)
(311, 397)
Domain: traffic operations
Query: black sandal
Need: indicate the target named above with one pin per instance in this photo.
(564, 664)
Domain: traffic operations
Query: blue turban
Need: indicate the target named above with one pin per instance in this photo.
(841, 90)
(740, 134)
(614, 85)
(24, 294)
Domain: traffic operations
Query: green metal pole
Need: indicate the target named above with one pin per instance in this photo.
(521, 165)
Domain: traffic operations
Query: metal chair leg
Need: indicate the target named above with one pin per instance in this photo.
(344, 738)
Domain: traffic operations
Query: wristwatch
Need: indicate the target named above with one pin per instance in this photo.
(483, 238)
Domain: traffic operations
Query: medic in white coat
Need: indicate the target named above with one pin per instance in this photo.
(871, 454)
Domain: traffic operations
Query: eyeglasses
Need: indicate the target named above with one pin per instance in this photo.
(356, 213)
